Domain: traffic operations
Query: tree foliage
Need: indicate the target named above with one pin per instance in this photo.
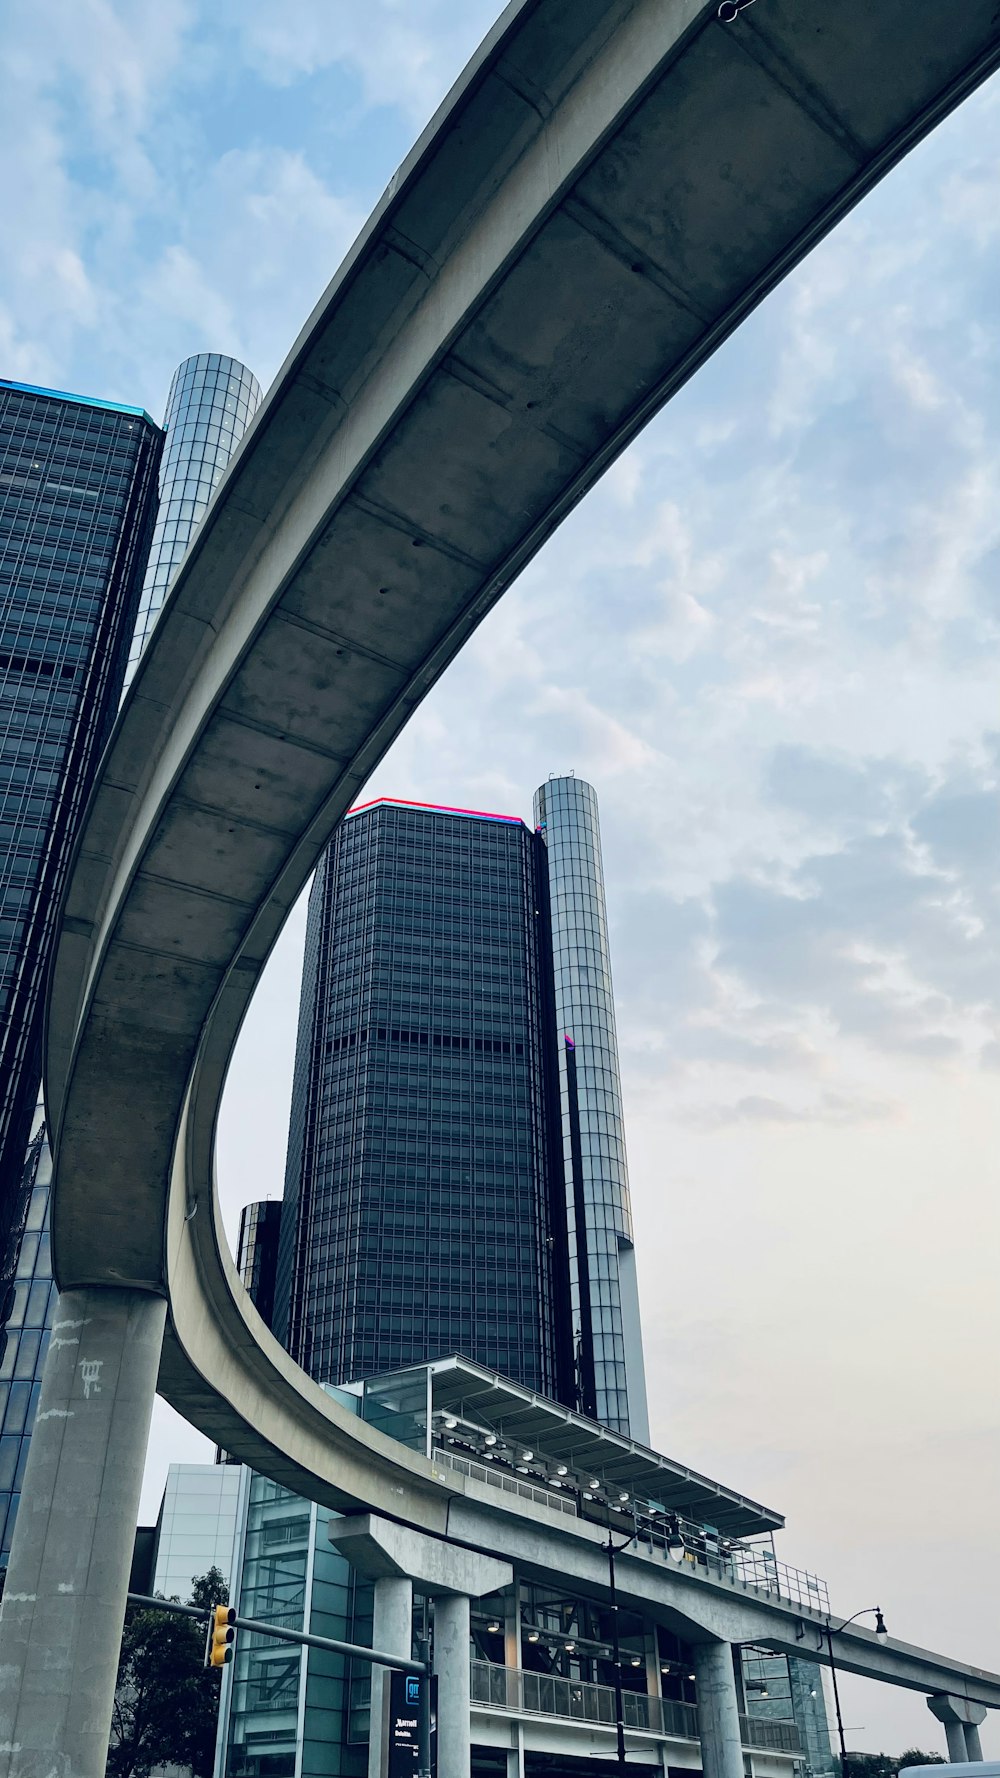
(166, 1703)
(887, 1765)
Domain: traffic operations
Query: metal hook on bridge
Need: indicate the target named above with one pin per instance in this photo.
(731, 9)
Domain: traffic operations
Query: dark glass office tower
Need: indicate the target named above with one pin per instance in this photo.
(257, 1253)
(77, 505)
(424, 1198)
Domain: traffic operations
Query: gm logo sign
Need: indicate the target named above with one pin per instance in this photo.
(412, 1690)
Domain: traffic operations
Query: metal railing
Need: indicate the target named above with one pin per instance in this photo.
(758, 1567)
(765, 1732)
(753, 1565)
(510, 1484)
(578, 1700)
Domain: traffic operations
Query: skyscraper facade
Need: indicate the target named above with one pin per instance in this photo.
(422, 1215)
(257, 1253)
(77, 505)
(456, 1174)
(605, 1299)
(211, 402)
(105, 569)
(30, 1299)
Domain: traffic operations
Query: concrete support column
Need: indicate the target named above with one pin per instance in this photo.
(973, 1745)
(451, 1665)
(955, 1736)
(392, 1632)
(64, 1601)
(515, 1757)
(718, 1710)
(961, 1725)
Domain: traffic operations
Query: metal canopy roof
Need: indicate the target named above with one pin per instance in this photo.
(520, 1416)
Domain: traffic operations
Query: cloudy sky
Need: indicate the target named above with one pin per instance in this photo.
(769, 638)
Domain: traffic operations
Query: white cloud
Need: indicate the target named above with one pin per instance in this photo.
(405, 52)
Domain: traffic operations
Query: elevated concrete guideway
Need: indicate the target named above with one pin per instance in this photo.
(609, 189)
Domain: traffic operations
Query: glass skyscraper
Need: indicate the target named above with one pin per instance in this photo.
(30, 1301)
(85, 563)
(257, 1253)
(77, 505)
(422, 1213)
(211, 402)
(605, 1297)
(456, 1109)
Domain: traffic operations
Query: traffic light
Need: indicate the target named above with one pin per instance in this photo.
(221, 1636)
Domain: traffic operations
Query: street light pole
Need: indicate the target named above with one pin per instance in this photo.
(828, 1632)
(614, 1550)
(836, 1705)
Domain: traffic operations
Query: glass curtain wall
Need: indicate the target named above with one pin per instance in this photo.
(85, 563)
(284, 1710)
(417, 1211)
(211, 403)
(31, 1300)
(257, 1253)
(77, 502)
(602, 1259)
(781, 1688)
(197, 1526)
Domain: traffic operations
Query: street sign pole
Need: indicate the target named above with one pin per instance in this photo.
(424, 1714)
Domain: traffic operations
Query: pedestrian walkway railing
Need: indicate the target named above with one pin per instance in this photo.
(548, 1694)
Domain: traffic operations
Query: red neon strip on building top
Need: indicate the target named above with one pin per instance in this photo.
(434, 808)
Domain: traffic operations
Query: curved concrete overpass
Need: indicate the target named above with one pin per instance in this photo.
(610, 188)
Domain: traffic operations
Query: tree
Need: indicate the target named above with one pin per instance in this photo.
(887, 1765)
(166, 1703)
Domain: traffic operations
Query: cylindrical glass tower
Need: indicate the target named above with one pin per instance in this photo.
(211, 403)
(602, 1257)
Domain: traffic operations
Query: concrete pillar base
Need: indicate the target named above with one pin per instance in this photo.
(718, 1710)
(64, 1601)
(955, 1736)
(973, 1745)
(392, 1633)
(451, 1665)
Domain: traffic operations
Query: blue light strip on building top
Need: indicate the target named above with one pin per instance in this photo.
(114, 407)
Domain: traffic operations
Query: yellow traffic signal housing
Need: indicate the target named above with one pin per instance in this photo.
(221, 1636)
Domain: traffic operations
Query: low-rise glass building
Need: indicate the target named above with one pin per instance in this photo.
(197, 1526)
